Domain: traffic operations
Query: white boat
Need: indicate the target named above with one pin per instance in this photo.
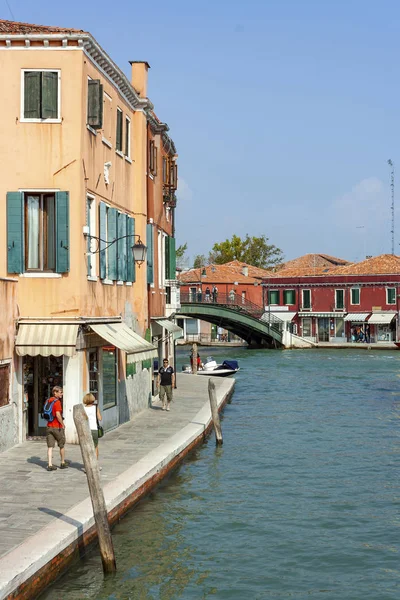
(212, 368)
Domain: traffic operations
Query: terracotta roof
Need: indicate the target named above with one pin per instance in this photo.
(14, 27)
(228, 273)
(310, 264)
(385, 264)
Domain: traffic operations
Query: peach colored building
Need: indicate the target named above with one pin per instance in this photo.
(74, 200)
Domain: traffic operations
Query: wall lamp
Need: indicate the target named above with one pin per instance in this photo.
(139, 250)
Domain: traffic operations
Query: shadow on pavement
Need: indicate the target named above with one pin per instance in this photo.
(62, 517)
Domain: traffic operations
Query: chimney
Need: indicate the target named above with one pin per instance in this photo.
(139, 76)
(245, 271)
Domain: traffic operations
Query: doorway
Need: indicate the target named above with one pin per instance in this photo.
(41, 374)
(323, 329)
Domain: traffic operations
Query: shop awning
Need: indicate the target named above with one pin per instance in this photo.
(171, 327)
(381, 318)
(119, 335)
(283, 315)
(337, 315)
(45, 339)
(357, 317)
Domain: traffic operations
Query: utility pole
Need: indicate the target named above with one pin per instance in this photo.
(391, 165)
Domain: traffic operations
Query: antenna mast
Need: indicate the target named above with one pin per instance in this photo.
(391, 165)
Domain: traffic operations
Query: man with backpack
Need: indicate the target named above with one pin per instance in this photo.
(55, 431)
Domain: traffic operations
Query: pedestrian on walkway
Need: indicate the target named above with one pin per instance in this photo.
(55, 430)
(94, 416)
(166, 381)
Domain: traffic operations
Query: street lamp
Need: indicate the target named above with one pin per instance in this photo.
(139, 250)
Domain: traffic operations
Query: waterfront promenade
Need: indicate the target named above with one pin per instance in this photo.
(43, 514)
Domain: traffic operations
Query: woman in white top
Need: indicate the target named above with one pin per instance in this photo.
(94, 415)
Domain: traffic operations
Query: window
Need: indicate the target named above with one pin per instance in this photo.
(118, 141)
(307, 330)
(273, 297)
(116, 261)
(40, 232)
(170, 258)
(306, 299)
(95, 104)
(390, 295)
(107, 119)
(109, 376)
(339, 299)
(164, 170)
(127, 137)
(289, 297)
(41, 95)
(355, 295)
(91, 244)
(94, 373)
(4, 384)
(152, 158)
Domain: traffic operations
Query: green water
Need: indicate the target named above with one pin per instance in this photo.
(302, 500)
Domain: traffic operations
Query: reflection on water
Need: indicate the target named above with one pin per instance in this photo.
(301, 501)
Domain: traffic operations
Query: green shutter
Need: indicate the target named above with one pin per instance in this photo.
(166, 240)
(172, 258)
(146, 364)
(62, 232)
(103, 236)
(32, 87)
(118, 143)
(95, 104)
(121, 247)
(15, 232)
(112, 250)
(150, 253)
(130, 231)
(274, 297)
(49, 95)
(391, 295)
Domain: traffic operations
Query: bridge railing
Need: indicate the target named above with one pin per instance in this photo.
(235, 302)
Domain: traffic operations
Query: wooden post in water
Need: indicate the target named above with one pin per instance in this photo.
(194, 359)
(96, 493)
(214, 412)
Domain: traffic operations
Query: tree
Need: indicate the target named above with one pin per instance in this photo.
(251, 250)
(180, 251)
(199, 261)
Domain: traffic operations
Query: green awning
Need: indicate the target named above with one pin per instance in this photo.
(176, 331)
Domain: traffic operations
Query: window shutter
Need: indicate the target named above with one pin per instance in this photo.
(62, 232)
(150, 253)
(131, 267)
(49, 95)
(32, 85)
(166, 240)
(95, 104)
(103, 236)
(146, 364)
(121, 247)
(172, 258)
(118, 143)
(15, 232)
(112, 250)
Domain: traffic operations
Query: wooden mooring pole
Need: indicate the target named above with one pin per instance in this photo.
(194, 359)
(96, 493)
(214, 412)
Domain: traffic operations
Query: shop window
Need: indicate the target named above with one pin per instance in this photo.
(355, 295)
(307, 328)
(306, 299)
(94, 373)
(339, 299)
(109, 376)
(4, 384)
(390, 295)
(289, 297)
(273, 297)
(339, 328)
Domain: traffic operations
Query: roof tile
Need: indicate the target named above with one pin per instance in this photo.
(14, 27)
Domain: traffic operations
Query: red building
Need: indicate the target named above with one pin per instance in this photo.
(337, 302)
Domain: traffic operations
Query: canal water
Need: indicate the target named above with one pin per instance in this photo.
(302, 500)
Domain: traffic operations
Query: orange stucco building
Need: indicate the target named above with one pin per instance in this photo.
(74, 200)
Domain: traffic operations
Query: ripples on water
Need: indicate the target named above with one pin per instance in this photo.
(300, 502)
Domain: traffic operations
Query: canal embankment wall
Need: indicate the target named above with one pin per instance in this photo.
(48, 523)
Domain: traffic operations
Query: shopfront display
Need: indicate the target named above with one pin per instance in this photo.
(41, 374)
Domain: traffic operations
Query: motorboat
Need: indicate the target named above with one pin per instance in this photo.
(212, 369)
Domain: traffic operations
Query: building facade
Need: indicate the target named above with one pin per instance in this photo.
(74, 195)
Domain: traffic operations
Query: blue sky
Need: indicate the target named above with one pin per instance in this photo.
(284, 112)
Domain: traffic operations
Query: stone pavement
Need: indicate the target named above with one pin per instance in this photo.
(31, 498)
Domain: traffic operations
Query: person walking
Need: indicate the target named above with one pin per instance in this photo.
(94, 416)
(55, 430)
(166, 381)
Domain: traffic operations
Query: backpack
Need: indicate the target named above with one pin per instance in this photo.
(47, 413)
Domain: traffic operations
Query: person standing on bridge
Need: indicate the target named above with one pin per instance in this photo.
(215, 293)
(208, 294)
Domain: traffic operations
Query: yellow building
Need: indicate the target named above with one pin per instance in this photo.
(73, 160)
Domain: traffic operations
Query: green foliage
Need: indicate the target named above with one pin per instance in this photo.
(180, 251)
(199, 261)
(251, 250)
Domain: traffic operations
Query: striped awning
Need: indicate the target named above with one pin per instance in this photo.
(283, 315)
(177, 332)
(381, 318)
(45, 339)
(357, 317)
(119, 335)
(322, 314)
